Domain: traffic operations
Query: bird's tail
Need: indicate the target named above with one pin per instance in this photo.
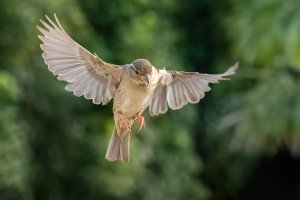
(118, 148)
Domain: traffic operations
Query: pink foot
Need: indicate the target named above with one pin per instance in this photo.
(140, 121)
(123, 122)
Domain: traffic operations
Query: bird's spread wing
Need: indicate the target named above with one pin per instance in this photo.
(86, 74)
(175, 89)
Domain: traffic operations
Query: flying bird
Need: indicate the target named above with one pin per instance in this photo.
(133, 87)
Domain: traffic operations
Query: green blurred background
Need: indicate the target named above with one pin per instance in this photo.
(241, 142)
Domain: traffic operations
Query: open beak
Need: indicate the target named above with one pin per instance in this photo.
(146, 78)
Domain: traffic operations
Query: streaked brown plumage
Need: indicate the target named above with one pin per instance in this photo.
(134, 87)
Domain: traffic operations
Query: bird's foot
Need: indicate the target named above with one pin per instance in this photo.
(140, 121)
(123, 122)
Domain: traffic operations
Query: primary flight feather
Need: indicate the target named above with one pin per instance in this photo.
(134, 87)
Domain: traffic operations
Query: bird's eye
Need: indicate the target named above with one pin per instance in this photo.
(135, 71)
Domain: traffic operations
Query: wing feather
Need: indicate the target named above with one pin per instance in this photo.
(176, 89)
(87, 74)
(159, 103)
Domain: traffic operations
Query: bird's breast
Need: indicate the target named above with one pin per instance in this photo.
(131, 98)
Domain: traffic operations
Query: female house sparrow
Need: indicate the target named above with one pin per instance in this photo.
(134, 86)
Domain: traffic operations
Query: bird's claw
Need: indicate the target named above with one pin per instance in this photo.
(123, 122)
(140, 121)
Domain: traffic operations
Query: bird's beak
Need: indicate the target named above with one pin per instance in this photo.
(146, 78)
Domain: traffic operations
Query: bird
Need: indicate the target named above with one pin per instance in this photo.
(133, 87)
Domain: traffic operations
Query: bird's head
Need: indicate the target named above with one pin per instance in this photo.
(140, 71)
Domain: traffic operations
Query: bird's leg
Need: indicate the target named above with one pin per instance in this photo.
(122, 120)
(139, 119)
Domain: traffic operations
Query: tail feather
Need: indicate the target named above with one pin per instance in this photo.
(118, 148)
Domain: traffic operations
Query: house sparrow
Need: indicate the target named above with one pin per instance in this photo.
(134, 87)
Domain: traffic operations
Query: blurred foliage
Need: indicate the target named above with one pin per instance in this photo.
(266, 38)
(52, 144)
